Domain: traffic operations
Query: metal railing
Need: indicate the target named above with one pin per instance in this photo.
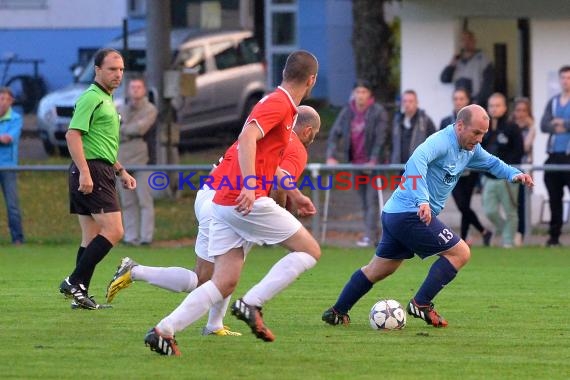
(315, 171)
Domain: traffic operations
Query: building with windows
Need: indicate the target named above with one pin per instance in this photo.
(60, 34)
(323, 27)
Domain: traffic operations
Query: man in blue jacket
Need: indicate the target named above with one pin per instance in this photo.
(10, 130)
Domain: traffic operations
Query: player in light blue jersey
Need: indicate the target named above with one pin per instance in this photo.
(409, 219)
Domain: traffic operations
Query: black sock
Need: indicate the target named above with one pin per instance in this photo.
(355, 289)
(79, 254)
(91, 256)
(78, 259)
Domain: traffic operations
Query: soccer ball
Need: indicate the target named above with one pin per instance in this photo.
(387, 315)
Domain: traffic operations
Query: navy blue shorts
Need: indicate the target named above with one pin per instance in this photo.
(404, 234)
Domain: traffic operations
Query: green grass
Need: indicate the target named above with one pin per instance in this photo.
(507, 313)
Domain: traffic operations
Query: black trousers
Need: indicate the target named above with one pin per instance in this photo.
(555, 182)
(462, 194)
(521, 210)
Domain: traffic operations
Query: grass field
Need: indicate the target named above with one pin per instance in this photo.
(507, 310)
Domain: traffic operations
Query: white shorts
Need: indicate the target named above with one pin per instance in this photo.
(267, 223)
(203, 210)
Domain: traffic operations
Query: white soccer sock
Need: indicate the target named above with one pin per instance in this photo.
(175, 279)
(281, 275)
(194, 306)
(217, 313)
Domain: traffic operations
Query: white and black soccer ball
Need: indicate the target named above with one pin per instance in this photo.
(387, 315)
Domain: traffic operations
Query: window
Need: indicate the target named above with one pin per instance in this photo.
(23, 4)
(250, 52)
(283, 28)
(225, 55)
(281, 35)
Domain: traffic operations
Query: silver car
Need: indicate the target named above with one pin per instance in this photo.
(231, 79)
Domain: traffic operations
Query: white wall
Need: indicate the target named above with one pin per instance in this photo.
(66, 14)
(427, 48)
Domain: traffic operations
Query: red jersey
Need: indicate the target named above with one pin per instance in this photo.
(215, 176)
(275, 116)
(295, 158)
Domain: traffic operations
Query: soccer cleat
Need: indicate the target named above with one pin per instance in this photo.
(487, 238)
(79, 295)
(427, 313)
(333, 317)
(121, 279)
(224, 331)
(253, 316)
(65, 288)
(75, 305)
(161, 344)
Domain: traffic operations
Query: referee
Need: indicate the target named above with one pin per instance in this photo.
(93, 142)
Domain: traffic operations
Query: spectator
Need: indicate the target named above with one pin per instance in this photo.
(522, 116)
(137, 119)
(504, 140)
(471, 69)
(10, 130)
(411, 127)
(556, 122)
(463, 191)
(361, 128)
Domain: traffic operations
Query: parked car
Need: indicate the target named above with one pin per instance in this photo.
(231, 78)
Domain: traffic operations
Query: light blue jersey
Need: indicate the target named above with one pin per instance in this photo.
(435, 167)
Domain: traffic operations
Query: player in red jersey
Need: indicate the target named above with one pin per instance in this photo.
(179, 279)
(295, 157)
(245, 215)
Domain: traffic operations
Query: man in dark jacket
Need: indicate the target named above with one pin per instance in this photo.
(504, 140)
(471, 69)
(411, 127)
(360, 134)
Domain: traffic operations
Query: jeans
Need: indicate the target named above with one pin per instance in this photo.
(497, 194)
(8, 181)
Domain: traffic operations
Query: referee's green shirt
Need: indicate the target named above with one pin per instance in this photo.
(97, 118)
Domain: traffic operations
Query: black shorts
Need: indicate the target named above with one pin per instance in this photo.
(104, 197)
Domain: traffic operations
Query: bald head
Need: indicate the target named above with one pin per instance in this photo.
(307, 125)
(471, 125)
(471, 113)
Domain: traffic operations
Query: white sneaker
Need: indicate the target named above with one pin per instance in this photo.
(518, 240)
(364, 242)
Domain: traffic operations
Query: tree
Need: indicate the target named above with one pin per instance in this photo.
(373, 46)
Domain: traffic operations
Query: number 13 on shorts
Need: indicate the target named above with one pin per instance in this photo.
(445, 235)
